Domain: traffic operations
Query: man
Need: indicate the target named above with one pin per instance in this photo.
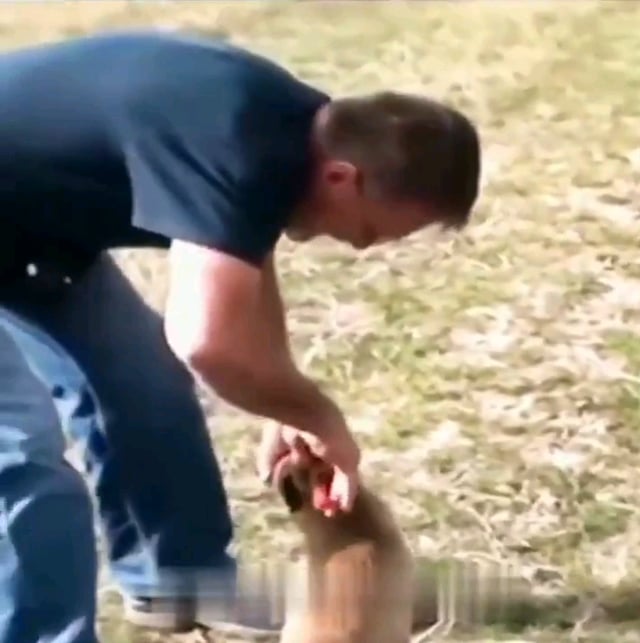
(151, 140)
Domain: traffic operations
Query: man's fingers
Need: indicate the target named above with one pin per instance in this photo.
(314, 445)
(289, 434)
(344, 488)
(300, 454)
(277, 441)
(281, 469)
(271, 448)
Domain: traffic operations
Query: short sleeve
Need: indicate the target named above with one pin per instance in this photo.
(194, 180)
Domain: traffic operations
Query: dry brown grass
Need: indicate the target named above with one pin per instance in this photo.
(492, 378)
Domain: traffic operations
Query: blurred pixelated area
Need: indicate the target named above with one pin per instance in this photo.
(493, 378)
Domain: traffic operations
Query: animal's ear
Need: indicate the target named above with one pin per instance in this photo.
(283, 479)
(291, 494)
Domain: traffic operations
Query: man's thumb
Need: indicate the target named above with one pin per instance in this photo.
(268, 452)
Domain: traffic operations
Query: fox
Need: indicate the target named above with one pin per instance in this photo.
(358, 581)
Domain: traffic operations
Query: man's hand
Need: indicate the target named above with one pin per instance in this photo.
(340, 451)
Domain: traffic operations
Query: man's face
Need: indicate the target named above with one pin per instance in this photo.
(341, 210)
(371, 222)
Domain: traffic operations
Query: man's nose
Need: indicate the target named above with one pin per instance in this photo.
(384, 238)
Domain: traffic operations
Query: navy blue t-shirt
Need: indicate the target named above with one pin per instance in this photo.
(134, 139)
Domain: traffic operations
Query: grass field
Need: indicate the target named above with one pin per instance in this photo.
(494, 378)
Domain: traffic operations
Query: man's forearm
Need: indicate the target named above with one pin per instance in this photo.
(284, 395)
(248, 363)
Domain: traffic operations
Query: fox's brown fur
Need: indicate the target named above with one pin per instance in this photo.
(360, 578)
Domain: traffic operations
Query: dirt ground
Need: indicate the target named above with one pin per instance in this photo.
(492, 378)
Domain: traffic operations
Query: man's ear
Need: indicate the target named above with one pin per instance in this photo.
(342, 176)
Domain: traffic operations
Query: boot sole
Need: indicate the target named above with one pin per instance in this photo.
(169, 623)
(160, 621)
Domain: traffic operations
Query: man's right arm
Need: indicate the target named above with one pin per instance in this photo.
(215, 324)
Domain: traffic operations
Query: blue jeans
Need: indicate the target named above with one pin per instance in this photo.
(95, 368)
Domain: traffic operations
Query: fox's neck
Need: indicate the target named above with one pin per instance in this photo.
(368, 521)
